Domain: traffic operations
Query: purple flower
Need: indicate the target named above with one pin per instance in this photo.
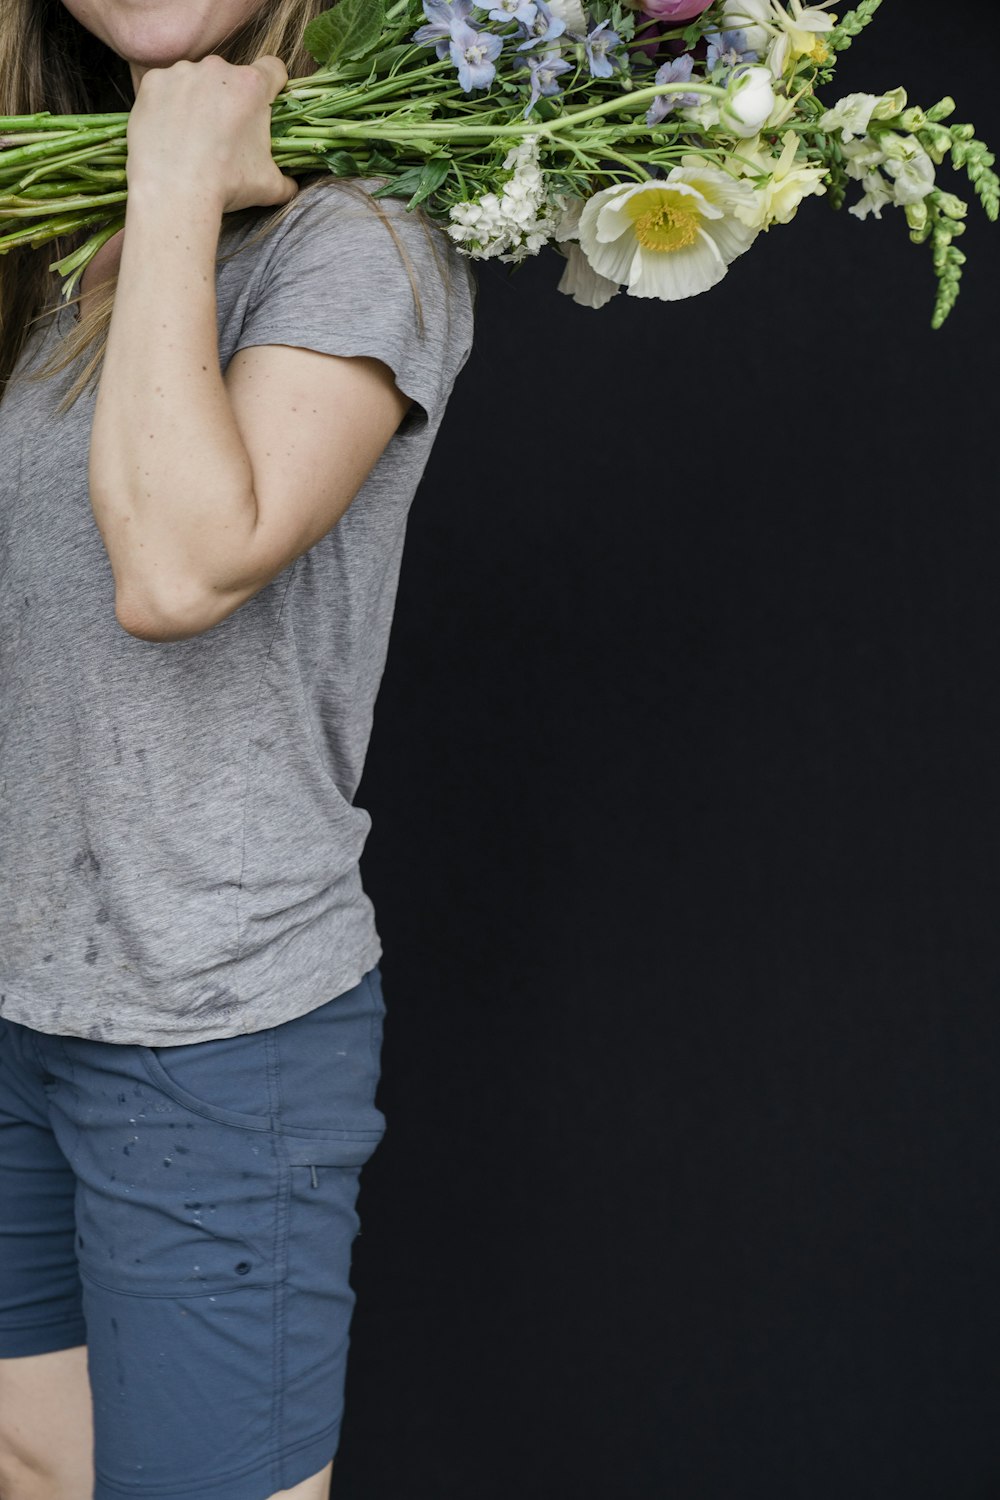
(678, 70)
(597, 49)
(544, 27)
(730, 48)
(514, 10)
(444, 16)
(472, 52)
(543, 76)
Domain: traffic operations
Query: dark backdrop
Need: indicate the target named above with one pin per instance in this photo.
(685, 780)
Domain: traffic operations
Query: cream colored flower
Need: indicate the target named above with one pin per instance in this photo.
(570, 11)
(788, 32)
(777, 201)
(581, 282)
(670, 237)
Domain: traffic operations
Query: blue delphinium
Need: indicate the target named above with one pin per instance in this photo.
(543, 76)
(544, 27)
(597, 49)
(444, 16)
(678, 70)
(728, 48)
(473, 52)
(514, 10)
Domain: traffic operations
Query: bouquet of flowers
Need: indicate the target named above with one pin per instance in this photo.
(648, 141)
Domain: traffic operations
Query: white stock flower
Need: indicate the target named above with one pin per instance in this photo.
(669, 237)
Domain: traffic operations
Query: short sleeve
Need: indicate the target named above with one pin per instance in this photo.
(344, 273)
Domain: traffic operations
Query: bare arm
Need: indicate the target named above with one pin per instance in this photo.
(205, 487)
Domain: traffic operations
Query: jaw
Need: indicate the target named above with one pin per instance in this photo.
(156, 33)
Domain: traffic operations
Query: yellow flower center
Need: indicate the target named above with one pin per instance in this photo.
(820, 52)
(668, 224)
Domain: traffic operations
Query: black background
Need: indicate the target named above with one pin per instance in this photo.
(685, 780)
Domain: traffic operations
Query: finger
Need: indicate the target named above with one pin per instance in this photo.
(290, 188)
(273, 72)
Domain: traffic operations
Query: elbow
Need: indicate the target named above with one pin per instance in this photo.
(150, 619)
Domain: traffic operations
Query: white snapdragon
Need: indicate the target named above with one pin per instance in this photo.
(513, 224)
(854, 113)
(910, 168)
(877, 194)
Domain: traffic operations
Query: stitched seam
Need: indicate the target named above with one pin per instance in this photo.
(246, 784)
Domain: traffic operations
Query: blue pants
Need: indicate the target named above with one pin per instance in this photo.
(188, 1213)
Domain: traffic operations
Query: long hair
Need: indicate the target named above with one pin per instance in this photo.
(48, 61)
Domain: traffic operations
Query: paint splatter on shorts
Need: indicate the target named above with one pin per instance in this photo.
(188, 1213)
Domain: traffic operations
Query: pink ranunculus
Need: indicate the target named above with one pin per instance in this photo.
(675, 10)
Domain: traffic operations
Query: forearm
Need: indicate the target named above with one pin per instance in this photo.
(170, 481)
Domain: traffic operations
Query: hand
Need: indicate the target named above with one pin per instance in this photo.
(206, 127)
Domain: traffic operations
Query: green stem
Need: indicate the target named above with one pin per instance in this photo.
(45, 121)
(34, 210)
(446, 130)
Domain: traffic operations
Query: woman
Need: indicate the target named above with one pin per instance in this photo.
(205, 473)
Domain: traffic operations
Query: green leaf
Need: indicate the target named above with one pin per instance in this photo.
(400, 186)
(348, 30)
(432, 174)
(342, 164)
(379, 165)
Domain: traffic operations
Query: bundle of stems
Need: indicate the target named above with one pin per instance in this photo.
(377, 107)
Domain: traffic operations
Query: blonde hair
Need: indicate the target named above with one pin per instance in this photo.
(50, 62)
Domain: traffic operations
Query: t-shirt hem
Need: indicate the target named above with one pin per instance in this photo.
(298, 999)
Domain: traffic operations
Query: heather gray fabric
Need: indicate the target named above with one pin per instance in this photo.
(178, 840)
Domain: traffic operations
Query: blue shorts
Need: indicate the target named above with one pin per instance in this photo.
(188, 1214)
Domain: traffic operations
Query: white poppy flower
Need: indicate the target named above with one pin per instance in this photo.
(581, 282)
(670, 237)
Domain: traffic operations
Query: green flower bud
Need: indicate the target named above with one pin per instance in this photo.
(913, 118)
(936, 141)
(950, 205)
(916, 215)
(890, 104)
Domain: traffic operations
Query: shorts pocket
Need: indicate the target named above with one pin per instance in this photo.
(314, 1076)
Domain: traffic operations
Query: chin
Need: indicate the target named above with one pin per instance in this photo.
(157, 43)
(156, 33)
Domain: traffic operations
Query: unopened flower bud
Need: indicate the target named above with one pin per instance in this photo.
(890, 104)
(950, 205)
(916, 214)
(750, 100)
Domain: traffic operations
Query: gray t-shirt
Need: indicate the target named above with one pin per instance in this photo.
(179, 844)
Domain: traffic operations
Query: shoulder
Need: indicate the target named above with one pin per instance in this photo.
(336, 226)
